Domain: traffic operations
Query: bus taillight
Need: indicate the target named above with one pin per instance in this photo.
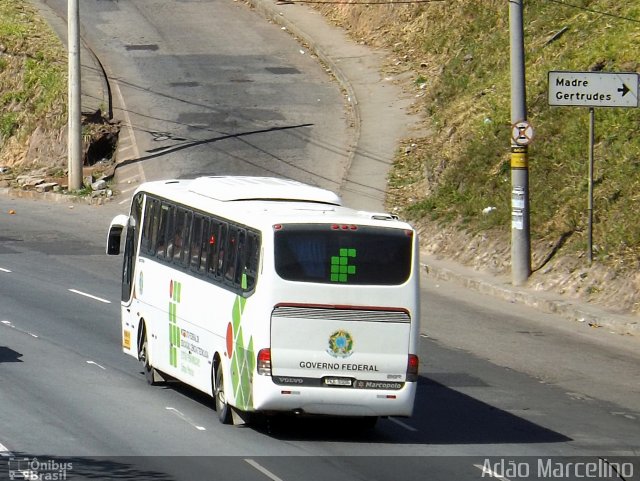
(412, 368)
(264, 362)
(344, 227)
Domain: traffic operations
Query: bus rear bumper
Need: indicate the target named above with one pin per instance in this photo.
(269, 397)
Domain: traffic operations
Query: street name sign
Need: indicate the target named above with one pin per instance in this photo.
(593, 89)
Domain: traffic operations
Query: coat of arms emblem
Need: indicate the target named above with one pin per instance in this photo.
(340, 344)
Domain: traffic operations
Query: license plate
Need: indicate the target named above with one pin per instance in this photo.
(338, 381)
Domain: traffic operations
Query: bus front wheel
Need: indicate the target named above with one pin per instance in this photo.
(150, 373)
(222, 408)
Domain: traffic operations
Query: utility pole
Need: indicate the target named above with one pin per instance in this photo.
(74, 108)
(520, 233)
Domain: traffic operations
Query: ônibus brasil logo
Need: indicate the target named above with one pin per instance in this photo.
(340, 344)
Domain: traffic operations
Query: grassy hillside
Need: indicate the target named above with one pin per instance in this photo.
(32, 81)
(458, 56)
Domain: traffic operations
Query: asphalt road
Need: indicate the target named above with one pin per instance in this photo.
(66, 389)
(212, 88)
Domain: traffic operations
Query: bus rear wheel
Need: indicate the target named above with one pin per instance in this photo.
(222, 408)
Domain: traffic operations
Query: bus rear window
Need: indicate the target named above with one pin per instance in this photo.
(331, 254)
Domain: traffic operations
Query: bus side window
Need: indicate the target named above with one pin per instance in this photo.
(212, 247)
(184, 257)
(208, 237)
(231, 252)
(196, 243)
(147, 226)
(239, 262)
(154, 226)
(165, 229)
(251, 261)
(203, 261)
(217, 248)
(179, 239)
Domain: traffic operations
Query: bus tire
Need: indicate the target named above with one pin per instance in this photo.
(151, 375)
(222, 408)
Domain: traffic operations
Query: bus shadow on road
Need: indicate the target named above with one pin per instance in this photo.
(441, 416)
(9, 355)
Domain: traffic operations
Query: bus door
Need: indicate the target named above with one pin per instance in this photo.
(129, 319)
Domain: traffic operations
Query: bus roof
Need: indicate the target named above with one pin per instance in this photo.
(259, 198)
(230, 188)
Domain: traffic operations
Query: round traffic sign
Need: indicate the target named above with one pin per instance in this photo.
(522, 133)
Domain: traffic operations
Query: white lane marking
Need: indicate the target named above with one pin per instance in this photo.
(8, 324)
(262, 469)
(2, 269)
(89, 296)
(624, 414)
(185, 418)
(490, 472)
(96, 364)
(125, 201)
(400, 423)
(4, 451)
(124, 191)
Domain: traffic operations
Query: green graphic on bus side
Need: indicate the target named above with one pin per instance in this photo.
(340, 268)
(174, 331)
(243, 361)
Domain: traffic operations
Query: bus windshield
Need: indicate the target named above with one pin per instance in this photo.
(343, 254)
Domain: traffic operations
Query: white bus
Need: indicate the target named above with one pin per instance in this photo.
(270, 296)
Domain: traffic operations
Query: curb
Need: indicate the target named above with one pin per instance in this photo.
(54, 196)
(543, 301)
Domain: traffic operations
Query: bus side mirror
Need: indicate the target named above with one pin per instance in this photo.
(115, 234)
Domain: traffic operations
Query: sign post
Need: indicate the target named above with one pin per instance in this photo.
(592, 89)
(592, 137)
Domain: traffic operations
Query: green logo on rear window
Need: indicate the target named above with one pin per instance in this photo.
(340, 268)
